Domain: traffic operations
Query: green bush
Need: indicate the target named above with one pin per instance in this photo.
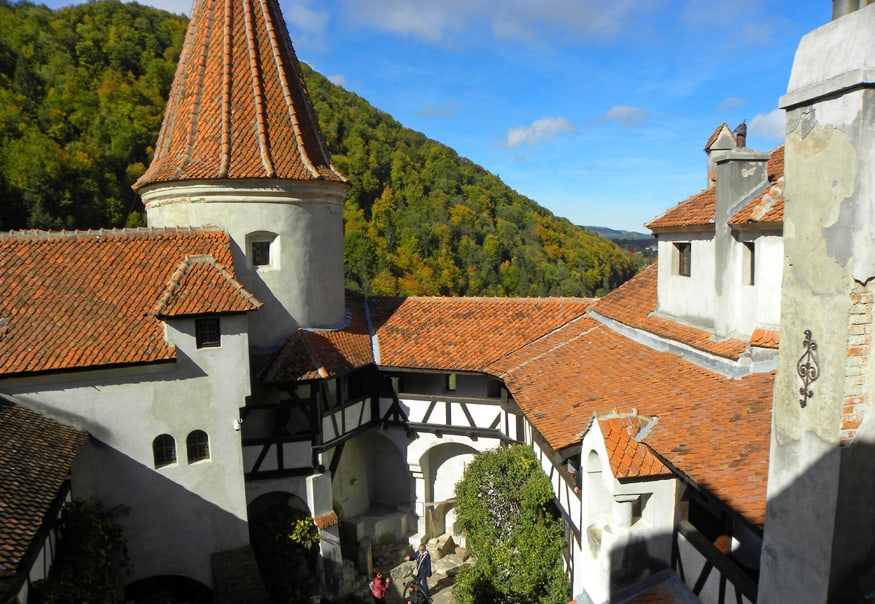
(92, 557)
(505, 505)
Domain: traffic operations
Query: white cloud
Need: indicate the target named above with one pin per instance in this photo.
(629, 117)
(440, 111)
(338, 79)
(769, 127)
(731, 102)
(544, 129)
(521, 20)
(301, 16)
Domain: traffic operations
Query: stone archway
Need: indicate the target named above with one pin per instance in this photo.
(371, 477)
(288, 568)
(167, 589)
(442, 467)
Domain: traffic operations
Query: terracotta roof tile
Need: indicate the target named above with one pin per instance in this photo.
(767, 208)
(775, 167)
(628, 457)
(238, 106)
(709, 427)
(633, 304)
(313, 354)
(83, 299)
(765, 338)
(36, 454)
(715, 135)
(695, 211)
(200, 286)
(464, 334)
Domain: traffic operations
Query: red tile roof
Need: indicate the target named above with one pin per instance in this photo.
(716, 134)
(714, 429)
(239, 107)
(634, 302)
(765, 338)
(36, 454)
(83, 299)
(201, 286)
(628, 457)
(775, 167)
(767, 208)
(464, 334)
(313, 354)
(695, 211)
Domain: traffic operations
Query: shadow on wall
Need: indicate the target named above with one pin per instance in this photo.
(815, 543)
(177, 530)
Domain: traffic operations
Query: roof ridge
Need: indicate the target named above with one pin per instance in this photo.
(551, 350)
(105, 232)
(516, 299)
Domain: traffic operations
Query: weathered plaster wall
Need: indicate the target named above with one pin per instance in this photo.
(180, 513)
(304, 287)
(815, 482)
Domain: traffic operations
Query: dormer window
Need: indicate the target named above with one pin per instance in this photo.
(263, 250)
(682, 258)
(207, 332)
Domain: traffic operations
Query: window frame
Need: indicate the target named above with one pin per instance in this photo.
(257, 239)
(164, 451)
(208, 332)
(748, 263)
(197, 450)
(683, 265)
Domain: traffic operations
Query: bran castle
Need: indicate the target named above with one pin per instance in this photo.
(706, 426)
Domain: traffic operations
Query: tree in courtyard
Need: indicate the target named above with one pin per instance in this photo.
(505, 505)
(286, 545)
(91, 562)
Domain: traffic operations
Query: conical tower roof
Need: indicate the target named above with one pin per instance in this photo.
(239, 107)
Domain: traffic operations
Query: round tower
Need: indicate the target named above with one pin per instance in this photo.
(240, 148)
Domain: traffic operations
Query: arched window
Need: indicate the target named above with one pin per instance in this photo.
(198, 445)
(164, 450)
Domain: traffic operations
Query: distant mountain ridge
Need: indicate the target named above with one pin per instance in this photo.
(83, 90)
(613, 234)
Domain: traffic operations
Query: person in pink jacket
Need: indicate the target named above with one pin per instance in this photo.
(379, 586)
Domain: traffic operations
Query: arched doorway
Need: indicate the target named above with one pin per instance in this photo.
(287, 566)
(168, 589)
(443, 466)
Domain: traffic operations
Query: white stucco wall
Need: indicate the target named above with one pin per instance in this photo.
(741, 308)
(611, 551)
(750, 306)
(304, 285)
(182, 512)
(690, 299)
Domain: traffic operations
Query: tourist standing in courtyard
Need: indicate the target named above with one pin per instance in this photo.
(379, 586)
(423, 567)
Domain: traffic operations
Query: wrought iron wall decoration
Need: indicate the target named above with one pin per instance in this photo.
(807, 368)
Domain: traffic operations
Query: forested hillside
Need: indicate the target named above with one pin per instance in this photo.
(82, 91)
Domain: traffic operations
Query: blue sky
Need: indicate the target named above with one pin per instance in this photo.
(597, 110)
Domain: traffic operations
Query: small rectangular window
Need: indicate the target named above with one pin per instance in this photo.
(683, 252)
(451, 382)
(748, 259)
(207, 332)
(261, 253)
